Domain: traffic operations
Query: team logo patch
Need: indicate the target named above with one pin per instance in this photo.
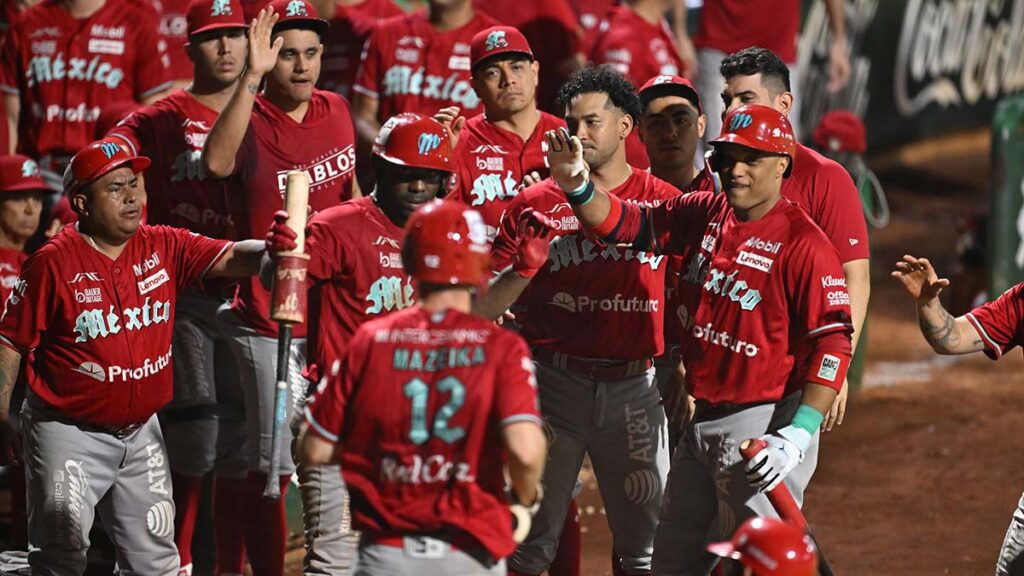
(29, 168)
(829, 368)
(664, 79)
(220, 8)
(496, 40)
(296, 8)
(160, 519)
(641, 486)
(83, 276)
(427, 143)
(754, 261)
(109, 149)
(92, 370)
(740, 121)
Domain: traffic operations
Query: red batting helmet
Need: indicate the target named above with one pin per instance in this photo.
(446, 243)
(297, 14)
(19, 174)
(97, 159)
(771, 548)
(413, 140)
(760, 128)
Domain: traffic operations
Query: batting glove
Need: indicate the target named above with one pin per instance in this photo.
(280, 238)
(784, 452)
(534, 231)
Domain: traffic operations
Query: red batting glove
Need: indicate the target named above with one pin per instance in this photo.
(534, 232)
(280, 238)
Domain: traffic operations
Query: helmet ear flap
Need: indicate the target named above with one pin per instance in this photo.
(714, 160)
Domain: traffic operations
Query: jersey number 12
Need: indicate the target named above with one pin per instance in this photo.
(418, 393)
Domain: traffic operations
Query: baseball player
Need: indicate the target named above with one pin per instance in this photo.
(595, 399)
(551, 29)
(768, 318)
(499, 148)
(204, 426)
(418, 63)
(770, 547)
(96, 304)
(355, 272)
(425, 408)
(256, 141)
(351, 25)
(994, 328)
(820, 186)
(62, 61)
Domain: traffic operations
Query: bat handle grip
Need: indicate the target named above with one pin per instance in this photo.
(780, 497)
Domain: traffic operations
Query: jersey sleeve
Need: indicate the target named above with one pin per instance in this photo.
(325, 409)
(816, 290)
(999, 324)
(194, 254)
(839, 212)
(150, 73)
(326, 251)
(128, 132)
(10, 63)
(368, 76)
(29, 309)
(673, 224)
(515, 397)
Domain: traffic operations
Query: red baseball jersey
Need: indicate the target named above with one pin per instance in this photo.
(418, 405)
(323, 145)
(355, 274)
(10, 268)
(344, 41)
(756, 297)
(554, 36)
(999, 323)
(174, 28)
(491, 163)
(593, 18)
(705, 180)
(636, 48)
(65, 70)
(825, 190)
(589, 295)
(732, 25)
(172, 133)
(408, 66)
(100, 329)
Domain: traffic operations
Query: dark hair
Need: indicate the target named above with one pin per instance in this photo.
(621, 92)
(754, 60)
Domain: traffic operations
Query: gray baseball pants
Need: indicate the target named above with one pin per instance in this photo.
(425, 556)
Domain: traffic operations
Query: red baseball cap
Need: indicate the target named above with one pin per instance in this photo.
(759, 128)
(841, 131)
(20, 173)
(667, 85)
(299, 14)
(205, 15)
(498, 40)
(97, 159)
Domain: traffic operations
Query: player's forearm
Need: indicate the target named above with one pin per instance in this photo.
(836, 19)
(10, 362)
(502, 292)
(527, 448)
(858, 284)
(364, 115)
(12, 108)
(228, 132)
(243, 259)
(819, 396)
(946, 334)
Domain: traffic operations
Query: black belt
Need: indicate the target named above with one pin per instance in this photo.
(705, 410)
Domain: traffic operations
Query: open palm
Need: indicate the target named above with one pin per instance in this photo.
(919, 279)
(262, 54)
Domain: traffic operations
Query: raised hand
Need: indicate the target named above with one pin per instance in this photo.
(565, 157)
(451, 120)
(534, 237)
(262, 54)
(919, 279)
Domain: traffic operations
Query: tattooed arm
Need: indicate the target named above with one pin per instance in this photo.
(228, 132)
(945, 334)
(10, 445)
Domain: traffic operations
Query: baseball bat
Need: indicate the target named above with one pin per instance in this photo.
(784, 504)
(287, 307)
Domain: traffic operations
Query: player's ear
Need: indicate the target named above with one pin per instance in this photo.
(702, 124)
(783, 164)
(625, 125)
(79, 202)
(784, 102)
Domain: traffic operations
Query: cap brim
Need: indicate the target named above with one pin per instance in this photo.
(669, 89)
(27, 186)
(724, 550)
(317, 25)
(505, 54)
(217, 26)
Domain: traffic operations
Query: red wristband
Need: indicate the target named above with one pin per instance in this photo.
(612, 219)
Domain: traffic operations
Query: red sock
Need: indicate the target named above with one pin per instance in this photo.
(265, 527)
(19, 510)
(567, 562)
(228, 517)
(188, 491)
